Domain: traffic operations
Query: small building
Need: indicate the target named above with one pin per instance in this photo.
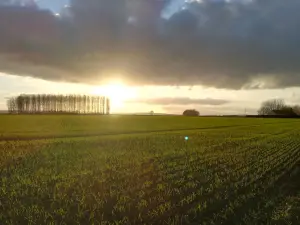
(285, 112)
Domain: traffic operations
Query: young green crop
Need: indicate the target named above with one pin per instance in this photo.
(230, 175)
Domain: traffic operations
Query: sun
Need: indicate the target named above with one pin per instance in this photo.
(117, 92)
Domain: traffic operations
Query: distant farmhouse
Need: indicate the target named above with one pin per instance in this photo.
(285, 112)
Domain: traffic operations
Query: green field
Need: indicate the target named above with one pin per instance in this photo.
(141, 170)
(47, 126)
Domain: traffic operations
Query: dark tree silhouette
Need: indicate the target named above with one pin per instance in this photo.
(58, 104)
(191, 112)
(268, 107)
(297, 109)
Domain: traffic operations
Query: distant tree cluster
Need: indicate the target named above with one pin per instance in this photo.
(269, 106)
(42, 103)
(278, 106)
(191, 112)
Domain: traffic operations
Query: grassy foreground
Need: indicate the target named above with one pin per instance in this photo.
(240, 171)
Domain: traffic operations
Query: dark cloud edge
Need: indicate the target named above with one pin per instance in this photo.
(222, 45)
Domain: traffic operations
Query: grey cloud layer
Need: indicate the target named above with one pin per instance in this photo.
(237, 44)
(181, 101)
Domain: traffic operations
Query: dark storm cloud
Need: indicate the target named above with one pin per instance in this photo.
(182, 101)
(237, 44)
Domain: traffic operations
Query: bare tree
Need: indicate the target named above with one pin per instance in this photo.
(11, 107)
(269, 106)
(58, 104)
(107, 106)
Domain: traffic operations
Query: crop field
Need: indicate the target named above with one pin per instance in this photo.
(47, 126)
(143, 170)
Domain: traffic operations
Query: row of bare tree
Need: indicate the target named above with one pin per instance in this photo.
(42, 103)
(278, 106)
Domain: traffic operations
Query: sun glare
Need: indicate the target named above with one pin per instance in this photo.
(117, 92)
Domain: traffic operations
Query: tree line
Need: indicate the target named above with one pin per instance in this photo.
(43, 103)
(278, 106)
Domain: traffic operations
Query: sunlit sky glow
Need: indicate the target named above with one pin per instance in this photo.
(117, 92)
(130, 99)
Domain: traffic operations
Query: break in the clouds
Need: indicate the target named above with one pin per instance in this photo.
(181, 101)
(223, 44)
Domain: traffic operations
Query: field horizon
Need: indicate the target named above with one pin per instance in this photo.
(31, 126)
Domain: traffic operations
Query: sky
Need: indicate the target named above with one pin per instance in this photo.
(53, 5)
(160, 99)
(216, 71)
